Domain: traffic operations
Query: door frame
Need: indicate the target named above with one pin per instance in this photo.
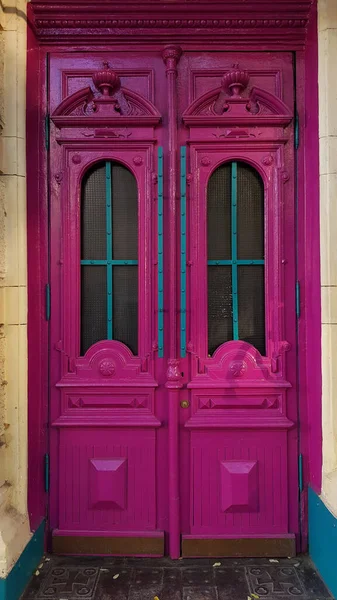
(45, 34)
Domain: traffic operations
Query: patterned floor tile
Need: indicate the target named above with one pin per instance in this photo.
(71, 578)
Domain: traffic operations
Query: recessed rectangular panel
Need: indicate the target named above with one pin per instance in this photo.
(107, 479)
(239, 482)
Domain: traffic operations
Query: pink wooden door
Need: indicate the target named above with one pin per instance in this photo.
(173, 338)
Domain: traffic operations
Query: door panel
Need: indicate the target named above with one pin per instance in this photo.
(134, 428)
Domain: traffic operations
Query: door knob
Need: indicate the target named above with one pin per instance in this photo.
(184, 404)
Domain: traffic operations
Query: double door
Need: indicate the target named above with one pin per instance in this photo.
(172, 334)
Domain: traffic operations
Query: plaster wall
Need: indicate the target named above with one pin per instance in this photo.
(14, 524)
(327, 47)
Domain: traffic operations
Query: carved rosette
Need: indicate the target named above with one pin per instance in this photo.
(237, 368)
(106, 80)
(173, 374)
(171, 56)
(235, 81)
(107, 368)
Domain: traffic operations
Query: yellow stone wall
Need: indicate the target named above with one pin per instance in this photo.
(14, 527)
(327, 46)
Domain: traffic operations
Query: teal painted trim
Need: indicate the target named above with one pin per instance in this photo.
(234, 253)
(323, 540)
(108, 200)
(46, 472)
(297, 131)
(110, 262)
(17, 579)
(238, 262)
(160, 256)
(47, 131)
(298, 299)
(47, 292)
(300, 472)
(183, 251)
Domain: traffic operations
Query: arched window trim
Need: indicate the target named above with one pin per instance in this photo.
(235, 262)
(109, 262)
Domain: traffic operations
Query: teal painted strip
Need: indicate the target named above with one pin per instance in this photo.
(108, 199)
(297, 131)
(160, 256)
(47, 291)
(111, 262)
(47, 131)
(18, 578)
(323, 540)
(238, 262)
(93, 262)
(298, 299)
(46, 472)
(183, 252)
(234, 253)
(300, 472)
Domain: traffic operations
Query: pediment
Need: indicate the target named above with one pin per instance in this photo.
(231, 104)
(105, 102)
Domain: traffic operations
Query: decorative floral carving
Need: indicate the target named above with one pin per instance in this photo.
(76, 159)
(173, 372)
(205, 161)
(285, 176)
(268, 160)
(235, 81)
(58, 177)
(107, 368)
(237, 368)
(137, 160)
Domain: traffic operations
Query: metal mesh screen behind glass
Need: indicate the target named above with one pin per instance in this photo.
(219, 214)
(235, 227)
(125, 294)
(250, 213)
(93, 215)
(124, 214)
(93, 306)
(220, 327)
(251, 305)
(109, 292)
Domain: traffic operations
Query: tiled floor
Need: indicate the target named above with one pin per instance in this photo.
(60, 578)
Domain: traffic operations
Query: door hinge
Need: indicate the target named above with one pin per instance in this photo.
(47, 294)
(46, 472)
(47, 131)
(300, 472)
(298, 299)
(297, 131)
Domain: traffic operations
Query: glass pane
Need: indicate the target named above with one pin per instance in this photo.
(93, 215)
(251, 305)
(93, 305)
(124, 214)
(250, 213)
(125, 306)
(220, 327)
(219, 214)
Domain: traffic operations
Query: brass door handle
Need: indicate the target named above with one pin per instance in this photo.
(184, 404)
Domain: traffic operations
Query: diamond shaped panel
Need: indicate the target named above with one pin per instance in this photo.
(107, 481)
(239, 486)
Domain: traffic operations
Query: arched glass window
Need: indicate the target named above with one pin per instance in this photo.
(235, 249)
(109, 256)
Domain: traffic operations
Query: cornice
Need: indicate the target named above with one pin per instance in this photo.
(240, 21)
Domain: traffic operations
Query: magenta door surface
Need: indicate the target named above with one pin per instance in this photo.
(173, 404)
